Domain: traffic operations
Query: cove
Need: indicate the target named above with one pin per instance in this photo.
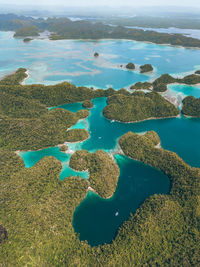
(97, 220)
(180, 135)
(32, 157)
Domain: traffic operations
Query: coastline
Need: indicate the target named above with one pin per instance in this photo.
(151, 118)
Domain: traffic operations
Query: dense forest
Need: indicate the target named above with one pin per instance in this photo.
(137, 107)
(63, 28)
(37, 209)
(29, 30)
(191, 106)
(160, 84)
(103, 170)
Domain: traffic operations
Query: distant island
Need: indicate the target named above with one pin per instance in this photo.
(160, 84)
(27, 40)
(64, 28)
(130, 66)
(146, 68)
(29, 30)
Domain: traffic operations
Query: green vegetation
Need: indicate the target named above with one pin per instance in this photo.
(160, 84)
(37, 209)
(63, 148)
(130, 66)
(63, 28)
(87, 104)
(20, 107)
(48, 130)
(140, 85)
(83, 114)
(27, 40)
(15, 78)
(37, 212)
(138, 107)
(77, 135)
(104, 172)
(185, 20)
(146, 68)
(27, 31)
(191, 106)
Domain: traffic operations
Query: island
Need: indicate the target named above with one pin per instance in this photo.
(96, 54)
(141, 85)
(103, 176)
(63, 148)
(160, 84)
(29, 30)
(76, 135)
(87, 104)
(146, 68)
(191, 106)
(138, 107)
(130, 66)
(64, 28)
(27, 40)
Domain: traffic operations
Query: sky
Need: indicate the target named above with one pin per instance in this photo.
(136, 3)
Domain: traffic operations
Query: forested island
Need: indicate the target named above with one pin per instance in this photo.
(146, 68)
(191, 106)
(103, 171)
(138, 107)
(29, 30)
(160, 84)
(64, 28)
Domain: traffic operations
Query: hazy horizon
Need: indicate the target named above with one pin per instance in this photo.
(111, 3)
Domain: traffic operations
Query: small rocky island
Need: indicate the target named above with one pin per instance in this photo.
(146, 68)
(96, 54)
(27, 40)
(87, 104)
(130, 66)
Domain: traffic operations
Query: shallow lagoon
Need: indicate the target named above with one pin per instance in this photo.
(51, 62)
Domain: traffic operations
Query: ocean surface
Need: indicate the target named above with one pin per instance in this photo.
(95, 219)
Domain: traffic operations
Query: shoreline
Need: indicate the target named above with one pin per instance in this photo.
(152, 118)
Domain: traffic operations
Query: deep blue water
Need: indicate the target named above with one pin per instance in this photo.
(97, 220)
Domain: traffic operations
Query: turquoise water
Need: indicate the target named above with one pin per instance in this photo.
(97, 220)
(32, 157)
(185, 90)
(180, 135)
(51, 62)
